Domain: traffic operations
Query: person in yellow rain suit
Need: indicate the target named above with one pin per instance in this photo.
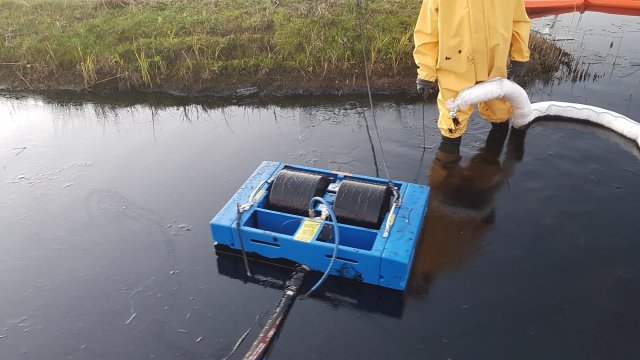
(459, 43)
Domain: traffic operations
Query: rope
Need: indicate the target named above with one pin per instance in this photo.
(424, 131)
(366, 73)
(242, 338)
(240, 210)
(396, 194)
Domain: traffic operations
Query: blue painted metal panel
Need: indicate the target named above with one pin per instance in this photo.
(397, 256)
(363, 254)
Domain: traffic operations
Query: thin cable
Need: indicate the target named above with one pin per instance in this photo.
(373, 148)
(424, 131)
(424, 145)
(396, 193)
(240, 208)
(242, 338)
(256, 260)
(255, 191)
(366, 73)
(334, 219)
(244, 253)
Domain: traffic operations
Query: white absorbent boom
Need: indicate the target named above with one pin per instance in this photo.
(524, 112)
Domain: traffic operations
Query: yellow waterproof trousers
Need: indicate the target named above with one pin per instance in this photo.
(496, 111)
(459, 43)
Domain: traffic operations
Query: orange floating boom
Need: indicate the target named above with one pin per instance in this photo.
(615, 10)
(545, 6)
(614, 4)
(538, 8)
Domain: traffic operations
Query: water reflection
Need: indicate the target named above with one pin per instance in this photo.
(335, 292)
(462, 203)
(94, 209)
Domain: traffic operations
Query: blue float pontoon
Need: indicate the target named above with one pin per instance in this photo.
(379, 222)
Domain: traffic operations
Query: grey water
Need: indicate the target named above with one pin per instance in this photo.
(105, 250)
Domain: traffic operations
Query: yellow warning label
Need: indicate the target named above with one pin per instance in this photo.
(393, 218)
(307, 231)
(259, 195)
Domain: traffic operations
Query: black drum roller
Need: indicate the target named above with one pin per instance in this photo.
(362, 204)
(291, 191)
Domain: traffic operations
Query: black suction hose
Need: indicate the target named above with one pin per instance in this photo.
(261, 346)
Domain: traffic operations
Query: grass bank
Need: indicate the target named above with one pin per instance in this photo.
(206, 46)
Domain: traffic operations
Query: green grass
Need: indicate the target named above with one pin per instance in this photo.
(203, 45)
(174, 44)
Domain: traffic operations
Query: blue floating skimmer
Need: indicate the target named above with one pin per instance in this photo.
(380, 256)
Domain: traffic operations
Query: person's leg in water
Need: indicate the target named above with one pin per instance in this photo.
(451, 130)
(493, 147)
(494, 143)
(449, 149)
(514, 153)
(515, 145)
(486, 170)
(450, 127)
(498, 112)
(445, 168)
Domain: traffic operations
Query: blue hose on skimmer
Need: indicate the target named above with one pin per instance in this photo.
(337, 241)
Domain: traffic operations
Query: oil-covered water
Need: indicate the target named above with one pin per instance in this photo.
(530, 248)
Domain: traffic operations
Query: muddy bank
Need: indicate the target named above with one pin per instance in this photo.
(346, 83)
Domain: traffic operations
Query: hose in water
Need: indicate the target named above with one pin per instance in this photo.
(262, 344)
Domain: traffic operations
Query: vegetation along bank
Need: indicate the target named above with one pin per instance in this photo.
(217, 46)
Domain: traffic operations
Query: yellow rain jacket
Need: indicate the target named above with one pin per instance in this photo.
(462, 42)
